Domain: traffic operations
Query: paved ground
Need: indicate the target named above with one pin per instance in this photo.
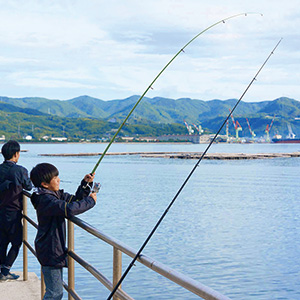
(21, 290)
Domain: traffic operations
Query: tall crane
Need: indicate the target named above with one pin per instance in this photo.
(237, 126)
(268, 128)
(227, 131)
(198, 128)
(189, 128)
(251, 131)
(291, 134)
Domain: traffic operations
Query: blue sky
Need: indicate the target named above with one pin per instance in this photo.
(113, 49)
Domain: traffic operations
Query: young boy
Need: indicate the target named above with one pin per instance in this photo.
(53, 206)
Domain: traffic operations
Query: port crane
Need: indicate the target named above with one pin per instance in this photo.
(198, 128)
(268, 128)
(236, 125)
(227, 131)
(189, 128)
(251, 131)
(291, 134)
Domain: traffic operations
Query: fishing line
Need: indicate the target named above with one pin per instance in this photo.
(150, 86)
(187, 179)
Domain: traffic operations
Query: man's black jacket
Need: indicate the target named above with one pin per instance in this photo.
(13, 179)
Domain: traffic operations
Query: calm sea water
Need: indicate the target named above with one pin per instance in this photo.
(235, 227)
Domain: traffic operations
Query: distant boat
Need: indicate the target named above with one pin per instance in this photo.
(290, 138)
(286, 141)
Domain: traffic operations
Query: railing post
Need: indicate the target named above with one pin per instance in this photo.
(117, 268)
(25, 254)
(43, 287)
(71, 264)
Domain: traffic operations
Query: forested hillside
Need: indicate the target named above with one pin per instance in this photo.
(87, 117)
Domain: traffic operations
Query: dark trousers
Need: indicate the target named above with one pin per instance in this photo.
(11, 231)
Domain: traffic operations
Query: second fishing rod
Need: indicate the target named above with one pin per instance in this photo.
(187, 179)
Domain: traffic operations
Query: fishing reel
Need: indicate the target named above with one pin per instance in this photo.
(96, 187)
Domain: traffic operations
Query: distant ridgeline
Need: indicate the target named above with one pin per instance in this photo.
(85, 117)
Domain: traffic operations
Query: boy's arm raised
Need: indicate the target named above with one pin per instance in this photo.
(52, 206)
(75, 206)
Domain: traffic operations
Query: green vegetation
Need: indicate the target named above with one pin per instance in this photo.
(18, 125)
(90, 118)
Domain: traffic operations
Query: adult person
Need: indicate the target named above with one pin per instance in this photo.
(13, 179)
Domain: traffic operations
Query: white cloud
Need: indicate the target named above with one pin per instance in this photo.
(16, 60)
(115, 49)
(38, 31)
(51, 83)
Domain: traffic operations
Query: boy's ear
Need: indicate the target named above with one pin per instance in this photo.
(44, 184)
(16, 156)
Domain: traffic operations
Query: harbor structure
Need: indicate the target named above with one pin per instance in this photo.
(290, 138)
(268, 128)
(251, 131)
(195, 139)
(189, 128)
(236, 125)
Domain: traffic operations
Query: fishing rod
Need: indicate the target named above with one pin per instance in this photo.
(187, 179)
(150, 86)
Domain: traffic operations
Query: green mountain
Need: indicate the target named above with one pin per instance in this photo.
(156, 109)
(46, 106)
(150, 116)
(11, 108)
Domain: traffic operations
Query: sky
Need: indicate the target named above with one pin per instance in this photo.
(114, 49)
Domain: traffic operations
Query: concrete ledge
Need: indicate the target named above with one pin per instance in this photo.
(19, 289)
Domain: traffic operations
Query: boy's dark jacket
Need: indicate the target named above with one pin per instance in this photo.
(52, 208)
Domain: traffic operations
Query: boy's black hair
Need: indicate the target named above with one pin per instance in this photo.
(9, 149)
(43, 172)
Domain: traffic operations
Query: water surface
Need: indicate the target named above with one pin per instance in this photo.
(235, 227)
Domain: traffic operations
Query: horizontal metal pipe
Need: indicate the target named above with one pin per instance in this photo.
(71, 292)
(30, 221)
(99, 234)
(29, 247)
(188, 283)
(26, 193)
(98, 275)
(177, 277)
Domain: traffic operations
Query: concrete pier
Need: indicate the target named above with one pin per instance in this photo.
(21, 290)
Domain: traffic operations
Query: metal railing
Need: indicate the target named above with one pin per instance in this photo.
(118, 248)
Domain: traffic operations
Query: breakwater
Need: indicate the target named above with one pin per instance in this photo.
(190, 155)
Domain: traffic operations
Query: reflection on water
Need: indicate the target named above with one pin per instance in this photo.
(235, 227)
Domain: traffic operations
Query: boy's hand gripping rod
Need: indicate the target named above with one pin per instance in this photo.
(185, 182)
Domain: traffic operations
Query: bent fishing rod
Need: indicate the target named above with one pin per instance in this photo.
(151, 84)
(187, 179)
